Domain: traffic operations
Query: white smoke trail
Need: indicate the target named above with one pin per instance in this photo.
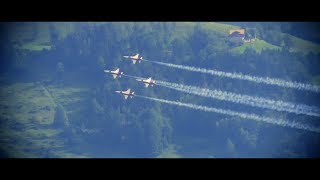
(255, 117)
(245, 99)
(265, 80)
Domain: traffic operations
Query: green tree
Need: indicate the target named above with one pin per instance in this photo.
(101, 62)
(198, 39)
(287, 43)
(230, 146)
(60, 70)
(60, 117)
(158, 131)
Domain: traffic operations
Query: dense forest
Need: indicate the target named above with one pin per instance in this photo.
(54, 89)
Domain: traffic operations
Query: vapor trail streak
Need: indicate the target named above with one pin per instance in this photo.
(255, 117)
(244, 99)
(256, 79)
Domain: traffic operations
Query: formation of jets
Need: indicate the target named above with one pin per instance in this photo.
(117, 73)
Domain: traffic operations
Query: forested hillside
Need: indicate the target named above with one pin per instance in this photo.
(56, 100)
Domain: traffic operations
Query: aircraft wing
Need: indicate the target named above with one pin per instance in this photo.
(127, 91)
(114, 76)
(136, 56)
(134, 61)
(146, 84)
(126, 96)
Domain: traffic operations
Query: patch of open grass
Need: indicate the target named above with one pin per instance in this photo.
(220, 27)
(183, 29)
(304, 46)
(68, 95)
(65, 154)
(26, 102)
(29, 142)
(34, 47)
(257, 45)
(299, 44)
(316, 80)
(63, 29)
(36, 36)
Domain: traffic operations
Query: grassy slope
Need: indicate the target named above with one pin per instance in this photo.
(63, 29)
(34, 46)
(36, 36)
(304, 46)
(185, 28)
(24, 108)
(27, 111)
(72, 99)
(26, 102)
(316, 80)
(258, 46)
(299, 45)
(219, 27)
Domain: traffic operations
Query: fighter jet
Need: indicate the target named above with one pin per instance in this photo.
(147, 82)
(126, 93)
(135, 58)
(115, 73)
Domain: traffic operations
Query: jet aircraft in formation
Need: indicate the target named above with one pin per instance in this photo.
(147, 82)
(117, 73)
(136, 58)
(127, 93)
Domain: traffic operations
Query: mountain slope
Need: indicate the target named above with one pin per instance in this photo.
(257, 45)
